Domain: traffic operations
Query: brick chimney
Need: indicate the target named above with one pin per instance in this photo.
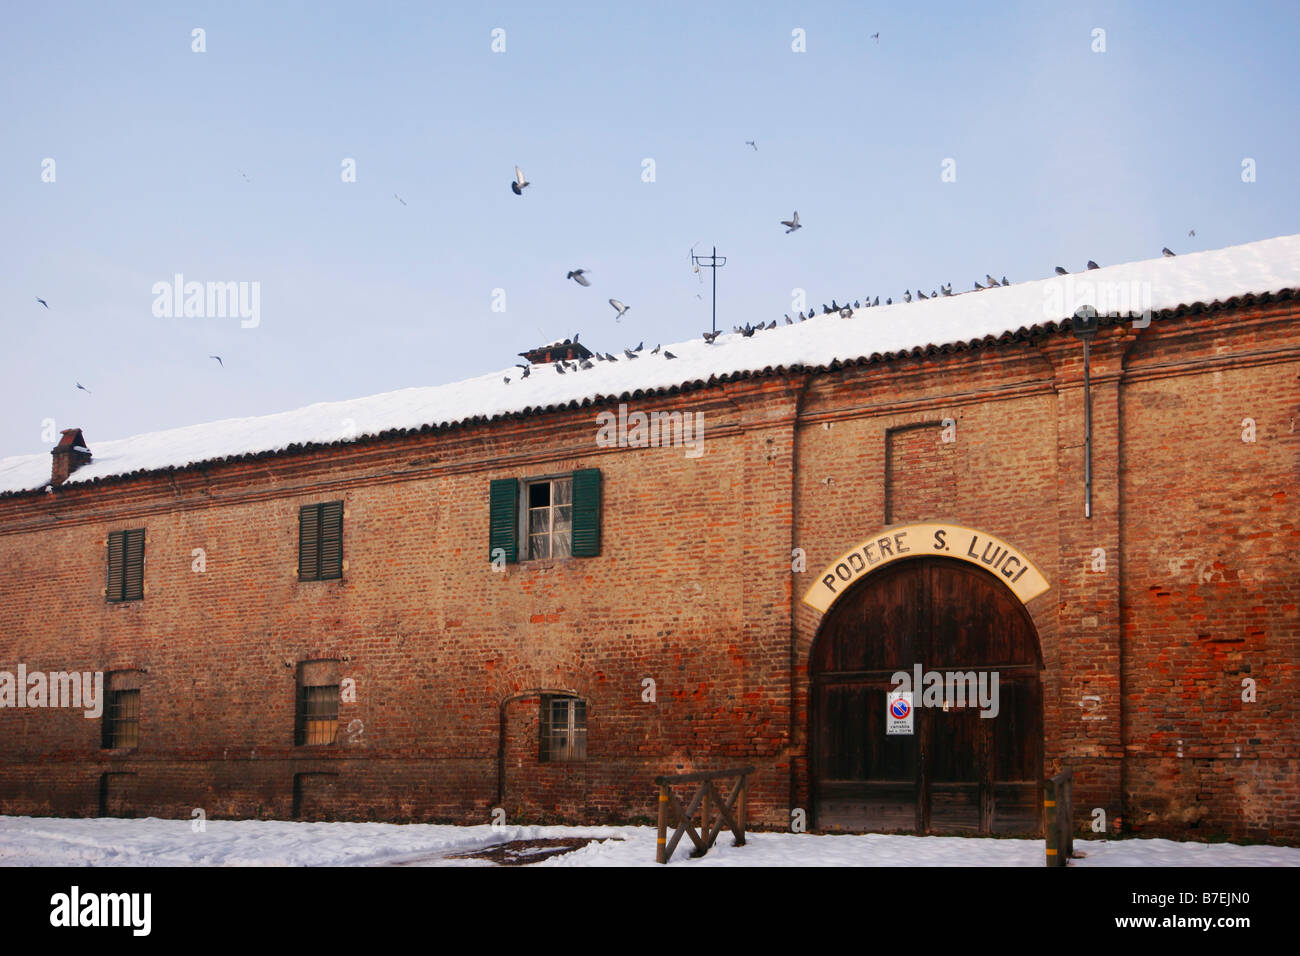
(69, 455)
(566, 350)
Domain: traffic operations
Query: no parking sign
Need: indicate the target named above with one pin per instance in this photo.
(898, 713)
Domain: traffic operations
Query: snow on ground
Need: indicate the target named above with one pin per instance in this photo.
(48, 841)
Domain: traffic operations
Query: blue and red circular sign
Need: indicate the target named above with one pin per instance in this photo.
(900, 709)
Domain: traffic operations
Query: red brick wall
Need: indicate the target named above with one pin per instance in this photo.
(694, 589)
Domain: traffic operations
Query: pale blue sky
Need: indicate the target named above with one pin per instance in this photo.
(1062, 155)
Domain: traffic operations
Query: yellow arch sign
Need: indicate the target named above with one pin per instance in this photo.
(928, 540)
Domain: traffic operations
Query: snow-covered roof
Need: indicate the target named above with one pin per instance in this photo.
(1256, 268)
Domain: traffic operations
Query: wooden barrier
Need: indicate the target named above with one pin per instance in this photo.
(715, 811)
(1058, 811)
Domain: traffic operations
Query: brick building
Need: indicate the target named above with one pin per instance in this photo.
(428, 604)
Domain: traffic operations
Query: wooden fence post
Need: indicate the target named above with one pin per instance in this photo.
(663, 824)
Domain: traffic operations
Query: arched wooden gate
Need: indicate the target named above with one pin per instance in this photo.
(959, 772)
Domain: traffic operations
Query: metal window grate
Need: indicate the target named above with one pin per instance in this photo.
(122, 720)
(318, 715)
(564, 729)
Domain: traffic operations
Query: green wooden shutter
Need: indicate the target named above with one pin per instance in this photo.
(116, 551)
(586, 513)
(331, 540)
(503, 524)
(133, 566)
(308, 543)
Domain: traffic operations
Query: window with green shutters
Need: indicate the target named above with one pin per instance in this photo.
(540, 518)
(125, 566)
(320, 541)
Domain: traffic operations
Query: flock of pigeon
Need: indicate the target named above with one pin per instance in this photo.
(565, 366)
(845, 311)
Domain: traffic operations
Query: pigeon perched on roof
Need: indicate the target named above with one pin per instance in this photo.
(991, 281)
(889, 301)
(875, 302)
(577, 276)
(946, 289)
(771, 325)
(527, 370)
(518, 185)
(1004, 281)
(907, 296)
(622, 309)
(584, 364)
(610, 358)
(669, 355)
(1062, 272)
(802, 317)
(710, 336)
(629, 353)
(921, 295)
(788, 320)
(506, 379)
(835, 306)
(639, 347)
(1093, 265)
(792, 222)
(655, 350)
(559, 367)
(1166, 252)
(846, 313)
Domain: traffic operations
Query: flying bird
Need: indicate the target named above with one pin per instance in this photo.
(1062, 272)
(42, 302)
(622, 309)
(876, 37)
(577, 276)
(82, 387)
(1166, 252)
(218, 358)
(1093, 265)
(1191, 232)
(792, 222)
(245, 175)
(519, 183)
(750, 142)
(399, 199)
